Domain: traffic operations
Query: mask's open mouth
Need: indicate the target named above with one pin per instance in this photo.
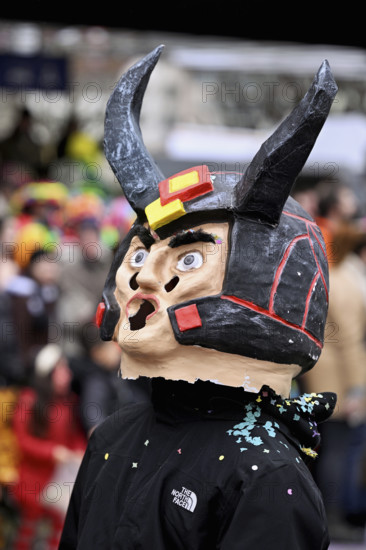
(141, 308)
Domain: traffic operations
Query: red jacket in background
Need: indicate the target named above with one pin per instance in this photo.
(37, 464)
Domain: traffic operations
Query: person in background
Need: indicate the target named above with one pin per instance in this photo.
(102, 390)
(33, 294)
(342, 369)
(83, 268)
(21, 147)
(8, 267)
(308, 197)
(337, 206)
(10, 363)
(50, 440)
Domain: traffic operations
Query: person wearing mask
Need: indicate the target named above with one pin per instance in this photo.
(218, 295)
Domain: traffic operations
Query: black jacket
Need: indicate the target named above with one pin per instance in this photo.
(203, 467)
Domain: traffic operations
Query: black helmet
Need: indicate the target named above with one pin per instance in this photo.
(273, 304)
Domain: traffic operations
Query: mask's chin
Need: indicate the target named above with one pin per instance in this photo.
(153, 352)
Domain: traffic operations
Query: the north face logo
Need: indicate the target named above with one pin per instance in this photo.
(185, 498)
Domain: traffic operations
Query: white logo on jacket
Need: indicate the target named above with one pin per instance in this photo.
(185, 499)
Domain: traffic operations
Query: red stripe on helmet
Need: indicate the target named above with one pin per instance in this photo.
(271, 315)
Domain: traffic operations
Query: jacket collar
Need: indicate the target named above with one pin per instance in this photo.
(179, 401)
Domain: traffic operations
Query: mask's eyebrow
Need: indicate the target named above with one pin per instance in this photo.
(188, 237)
(145, 237)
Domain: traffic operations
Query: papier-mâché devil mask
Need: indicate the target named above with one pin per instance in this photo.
(223, 276)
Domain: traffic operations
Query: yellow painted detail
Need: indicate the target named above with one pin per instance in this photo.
(181, 182)
(106, 456)
(158, 215)
(309, 452)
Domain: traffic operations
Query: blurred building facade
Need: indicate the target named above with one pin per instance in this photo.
(210, 100)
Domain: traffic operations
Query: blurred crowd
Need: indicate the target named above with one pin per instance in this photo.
(58, 380)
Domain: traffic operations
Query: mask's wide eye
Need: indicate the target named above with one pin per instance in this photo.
(139, 257)
(192, 260)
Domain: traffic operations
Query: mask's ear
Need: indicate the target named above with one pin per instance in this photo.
(124, 148)
(267, 182)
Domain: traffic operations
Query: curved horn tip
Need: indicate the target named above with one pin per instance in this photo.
(143, 65)
(325, 78)
(154, 55)
(159, 49)
(151, 58)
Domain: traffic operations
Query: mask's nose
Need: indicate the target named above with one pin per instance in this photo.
(154, 276)
(149, 276)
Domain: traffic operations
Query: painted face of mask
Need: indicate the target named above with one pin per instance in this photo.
(158, 274)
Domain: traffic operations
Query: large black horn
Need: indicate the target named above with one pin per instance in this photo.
(267, 182)
(124, 148)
